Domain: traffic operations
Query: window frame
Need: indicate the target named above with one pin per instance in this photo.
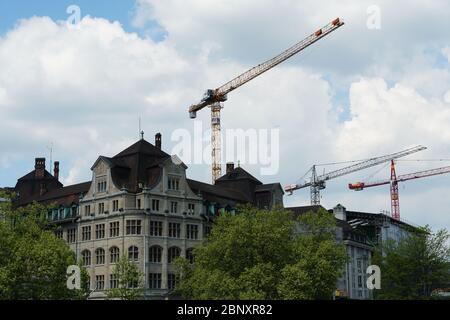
(170, 256)
(156, 228)
(133, 253)
(133, 227)
(100, 258)
(86, 256)
(155, 254)
(86, 233)
(100, 231)
(155, 280)
(114, 257)
(175, 230)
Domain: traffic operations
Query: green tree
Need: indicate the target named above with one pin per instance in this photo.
(130, 283)
(33, 261)
(260, 254)
(319, 259)
(415, 266)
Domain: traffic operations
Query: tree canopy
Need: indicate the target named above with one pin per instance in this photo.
(415, 266)
(129, 281)
(261, 254)
(33, 261)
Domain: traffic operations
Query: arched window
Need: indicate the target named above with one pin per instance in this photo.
(114, 253)
(100, 256)
(155, 254)
(86, 258)
(190, 255)
(173, 253)
(133, 253)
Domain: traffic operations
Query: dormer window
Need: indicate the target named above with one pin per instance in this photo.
(173, 183)
(87, 210)
(191, 209)
(101, 186)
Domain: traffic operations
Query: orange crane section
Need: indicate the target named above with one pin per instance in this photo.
(393, 182)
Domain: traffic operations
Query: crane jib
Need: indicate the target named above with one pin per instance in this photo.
(220, 94)
(405, 177)
(354, 168)
(266, 66)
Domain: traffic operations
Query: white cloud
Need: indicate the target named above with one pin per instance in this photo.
(392, 118)
(84, 88)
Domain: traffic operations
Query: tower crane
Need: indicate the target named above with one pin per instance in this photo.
(214, 97)
(393, 182)
(317, 183)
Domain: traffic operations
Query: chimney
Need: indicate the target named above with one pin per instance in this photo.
(230, 167)
(56, 170)
(39, 167)
(340, 212)
(158, 140)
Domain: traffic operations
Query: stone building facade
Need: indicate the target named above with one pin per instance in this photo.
(140, 204)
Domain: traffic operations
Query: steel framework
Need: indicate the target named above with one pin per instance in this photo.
(213, 97)
(393, 182)
(318, 183)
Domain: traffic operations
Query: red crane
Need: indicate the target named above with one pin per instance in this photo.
(394, 180)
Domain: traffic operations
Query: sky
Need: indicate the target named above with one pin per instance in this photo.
(378, 85)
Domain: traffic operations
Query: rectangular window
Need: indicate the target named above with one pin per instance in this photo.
(359, 281)
(154, 280)
(155, 205)
(134, 227)
(114, 229)
(191, 209)
(115, 205)
(59, 234)
(101, 186)
(86, 233)
(99, 231)
(113, 281)
(171, 281)
(101, 208)
(87, 210)
(156, 228)
(192, 231)
(173, 207)
(174, 230)
(138, 204)
(173, 183)
(71, 235)
(100, 282)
